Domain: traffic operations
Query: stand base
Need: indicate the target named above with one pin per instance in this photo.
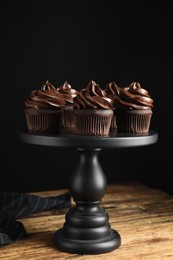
(98, 246)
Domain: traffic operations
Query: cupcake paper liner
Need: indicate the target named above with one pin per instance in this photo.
(93, 123)
(134, 121)
(67, 120)
(41, 122)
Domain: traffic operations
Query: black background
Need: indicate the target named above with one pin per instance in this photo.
(121, 41)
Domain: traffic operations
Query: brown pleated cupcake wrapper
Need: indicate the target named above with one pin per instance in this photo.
(92, 125)
(67, 120)
(114, 122)
(43, 123)
(132, 123)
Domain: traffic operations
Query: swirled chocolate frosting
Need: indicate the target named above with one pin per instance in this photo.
(92, 97)
(48, 97)
(134, 97)
(112, 91)
(68, 90)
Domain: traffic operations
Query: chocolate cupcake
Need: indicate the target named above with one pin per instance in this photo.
(43, 109)
(93, 111)
(67, 119)
(113, 92)
(134, 109)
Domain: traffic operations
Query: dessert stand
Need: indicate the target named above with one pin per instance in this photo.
(86, 229)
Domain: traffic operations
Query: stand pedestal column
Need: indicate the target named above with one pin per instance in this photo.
(86, 229)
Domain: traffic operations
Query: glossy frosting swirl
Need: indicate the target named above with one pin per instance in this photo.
(92, 97)
(134, 97)
(48, 97)
(112, 91)
(67, 89)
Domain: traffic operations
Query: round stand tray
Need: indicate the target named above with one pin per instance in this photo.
(87, 229)
(113, 140)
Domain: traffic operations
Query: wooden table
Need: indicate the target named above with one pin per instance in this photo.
(143, 216)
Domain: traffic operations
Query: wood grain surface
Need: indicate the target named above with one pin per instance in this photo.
(143, 216)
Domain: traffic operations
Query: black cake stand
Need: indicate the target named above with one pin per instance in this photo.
(86, 229)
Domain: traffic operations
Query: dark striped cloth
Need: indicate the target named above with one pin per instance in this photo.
(17, 205)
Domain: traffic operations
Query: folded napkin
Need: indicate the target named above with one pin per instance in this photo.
(17, 205)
